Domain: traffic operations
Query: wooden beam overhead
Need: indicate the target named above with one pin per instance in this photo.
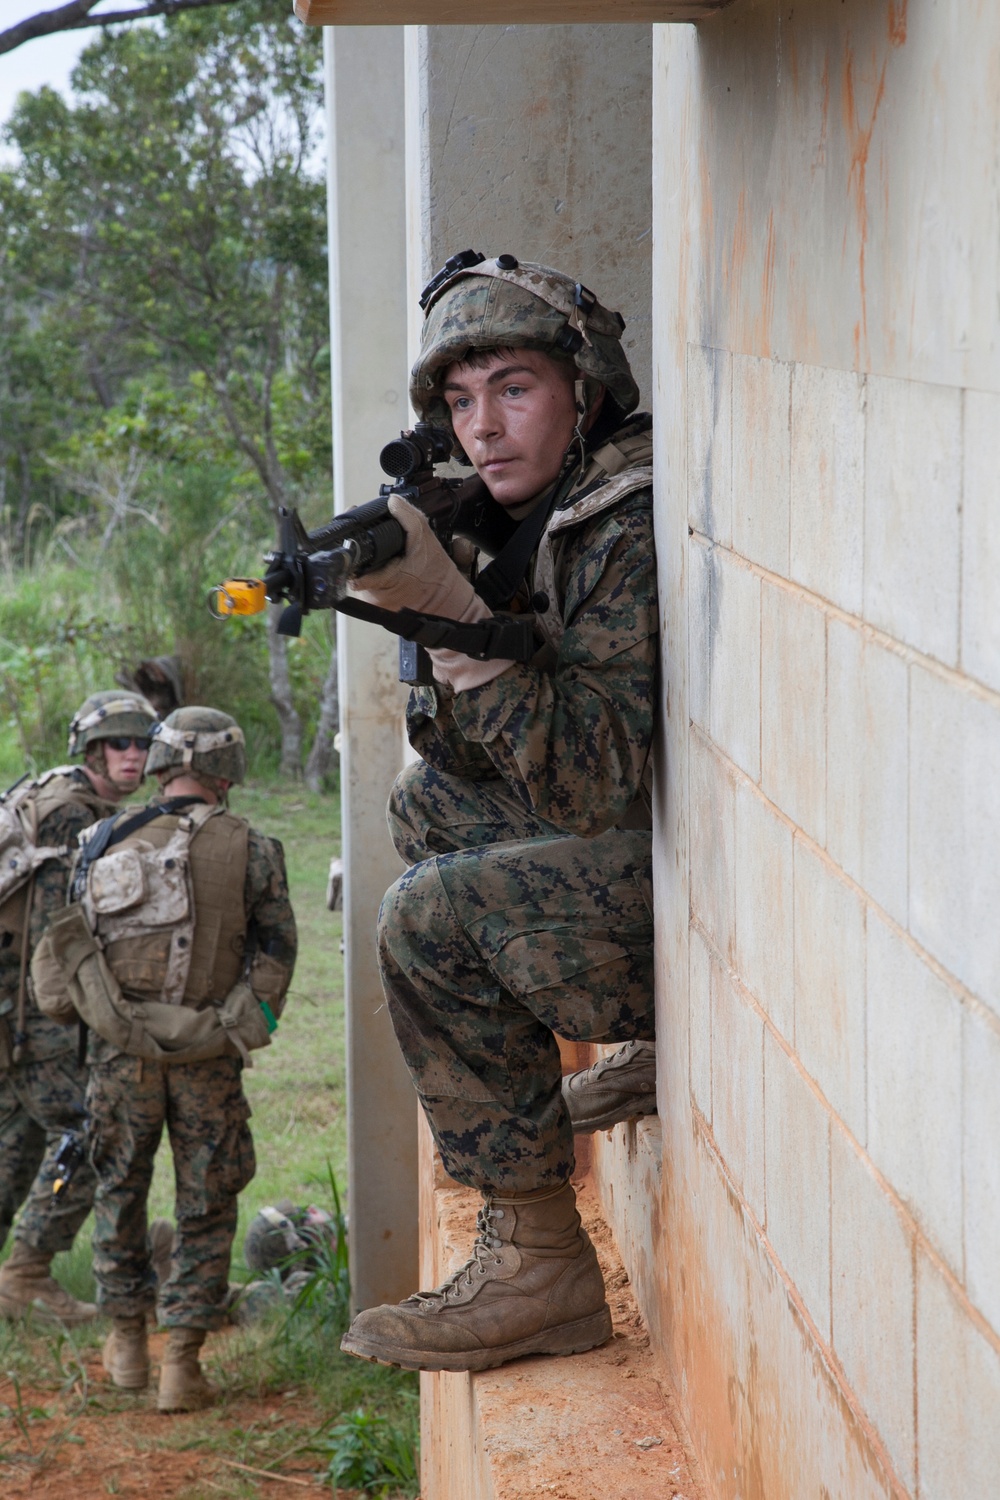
(499, 12)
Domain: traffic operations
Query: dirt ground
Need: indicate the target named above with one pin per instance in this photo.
(93, 1441)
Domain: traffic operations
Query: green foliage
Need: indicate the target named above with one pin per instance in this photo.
(325, 1297)
(164, 366)
(374, 1453)
(55, 647)
(173, 213)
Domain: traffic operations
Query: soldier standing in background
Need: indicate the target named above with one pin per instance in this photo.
(235, 922)
(42, 1083)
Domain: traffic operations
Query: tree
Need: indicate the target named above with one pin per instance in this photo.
(78, 13)
(173, 209)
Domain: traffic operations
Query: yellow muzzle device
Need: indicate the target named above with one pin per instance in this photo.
(237, 596)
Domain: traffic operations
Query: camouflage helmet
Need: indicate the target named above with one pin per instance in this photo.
(270, 1239)
(473, 303)
(104, 715)
(203, 740)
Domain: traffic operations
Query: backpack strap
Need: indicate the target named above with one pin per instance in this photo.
(100, 838)
(20, 1033)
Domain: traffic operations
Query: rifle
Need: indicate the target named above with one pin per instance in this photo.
(71, 1154)
(309, 570)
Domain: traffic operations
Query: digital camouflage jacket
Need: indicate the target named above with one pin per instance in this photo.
(571, 731)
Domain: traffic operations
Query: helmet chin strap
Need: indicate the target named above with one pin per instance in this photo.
(580, 396)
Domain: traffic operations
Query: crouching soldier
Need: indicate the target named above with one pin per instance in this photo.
(178, 956)
(526, 910)
(41, 1081)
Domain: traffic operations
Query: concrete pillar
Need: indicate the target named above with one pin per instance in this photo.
(535, 140)
(364, 89)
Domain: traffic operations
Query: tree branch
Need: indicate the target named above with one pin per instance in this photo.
(77, 14)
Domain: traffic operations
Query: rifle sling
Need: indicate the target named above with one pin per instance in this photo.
(500, 580)
(511, 639)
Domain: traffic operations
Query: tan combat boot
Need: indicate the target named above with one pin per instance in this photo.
(616, 1088)
(531, 1286)
(182, 1385)
(26, 1286)
(126, 1354)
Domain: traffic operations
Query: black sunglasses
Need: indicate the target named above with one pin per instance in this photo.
(123, 741)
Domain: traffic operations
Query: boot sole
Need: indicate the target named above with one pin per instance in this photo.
(611, 1117)
(569, 1338)
(135, 1382)
(176, 1407)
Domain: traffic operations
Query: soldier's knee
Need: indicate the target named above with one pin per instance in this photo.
(413, 911)
(408, 809)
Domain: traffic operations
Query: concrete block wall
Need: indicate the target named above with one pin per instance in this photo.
(828, 886)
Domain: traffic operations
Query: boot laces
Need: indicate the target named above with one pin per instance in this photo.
(615, 1059)
(484, 1250)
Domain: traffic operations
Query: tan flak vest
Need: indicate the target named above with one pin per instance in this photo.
(167, 906)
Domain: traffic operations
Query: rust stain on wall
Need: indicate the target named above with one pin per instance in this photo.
(859, 140)
(763, 340)
(897, 22)
(738, 252)
(727, 1346)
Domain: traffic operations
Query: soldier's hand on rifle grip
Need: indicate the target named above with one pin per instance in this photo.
(424, 578)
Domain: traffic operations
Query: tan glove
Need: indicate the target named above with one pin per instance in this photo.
(424, 578)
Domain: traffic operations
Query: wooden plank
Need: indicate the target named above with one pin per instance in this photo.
(499, 12)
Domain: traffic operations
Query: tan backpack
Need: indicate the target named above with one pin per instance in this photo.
(73, 980)
(130, 895)
(23, 810)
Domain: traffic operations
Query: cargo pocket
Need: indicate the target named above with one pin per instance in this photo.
(580, 960)
(236, 1160)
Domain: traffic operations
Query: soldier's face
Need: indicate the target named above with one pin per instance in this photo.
(125, 767)
(514, 416)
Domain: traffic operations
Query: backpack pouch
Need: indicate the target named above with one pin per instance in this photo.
(117, 882)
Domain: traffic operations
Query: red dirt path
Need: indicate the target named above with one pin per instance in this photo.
(116, 1449)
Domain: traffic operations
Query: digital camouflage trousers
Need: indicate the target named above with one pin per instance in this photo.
(205, 1113)
(38, 1102)
(503, 932)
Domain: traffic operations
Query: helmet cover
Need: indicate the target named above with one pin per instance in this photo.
(499, 304)
(283, 1229)
(271, 1238)
(103, 716)
(203, 740)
